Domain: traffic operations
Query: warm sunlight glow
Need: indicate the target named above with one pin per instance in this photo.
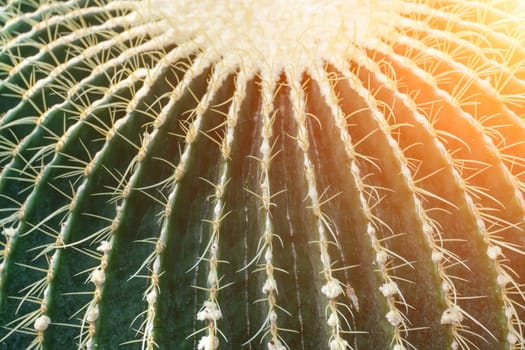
(262, 174)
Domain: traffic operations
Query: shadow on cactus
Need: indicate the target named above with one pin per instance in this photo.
(227, 175)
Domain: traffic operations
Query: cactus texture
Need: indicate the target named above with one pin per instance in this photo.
(262, 175)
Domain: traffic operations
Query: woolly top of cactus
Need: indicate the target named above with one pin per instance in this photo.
(256, 34)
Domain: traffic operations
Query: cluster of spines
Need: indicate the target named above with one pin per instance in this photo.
(322, 77)
(497, 140)
(41, 321)
(269, 239)
(332, 287)
(453, 314)
(38, 291)
(210, 311)
(488, 225)
(153, 262)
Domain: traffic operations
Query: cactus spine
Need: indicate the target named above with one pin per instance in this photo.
(226, 175)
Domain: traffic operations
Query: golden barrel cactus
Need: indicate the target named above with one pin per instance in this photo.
(262, 174)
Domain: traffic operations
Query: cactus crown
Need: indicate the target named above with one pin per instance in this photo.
(259, 36)
(194, 175)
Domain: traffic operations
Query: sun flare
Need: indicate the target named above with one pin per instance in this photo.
(262, 174)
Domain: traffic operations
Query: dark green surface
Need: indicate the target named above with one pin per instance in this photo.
(39, 182)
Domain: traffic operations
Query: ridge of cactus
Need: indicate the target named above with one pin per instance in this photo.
(262, 175)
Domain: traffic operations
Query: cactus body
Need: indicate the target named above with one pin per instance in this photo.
(209, 176)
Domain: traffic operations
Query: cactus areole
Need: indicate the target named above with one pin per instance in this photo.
(264, 174)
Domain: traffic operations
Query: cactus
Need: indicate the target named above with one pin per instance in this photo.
(268, 175)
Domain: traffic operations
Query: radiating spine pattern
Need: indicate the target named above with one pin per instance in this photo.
(165, 186)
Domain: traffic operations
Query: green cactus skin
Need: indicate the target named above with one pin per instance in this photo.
(161, 189)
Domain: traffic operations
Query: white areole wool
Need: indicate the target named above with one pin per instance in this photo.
(273, 34)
